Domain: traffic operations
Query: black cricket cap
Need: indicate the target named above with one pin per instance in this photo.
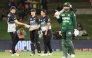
(32, 10)
(13, 7)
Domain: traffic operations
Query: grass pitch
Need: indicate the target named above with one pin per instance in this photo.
(79, 54)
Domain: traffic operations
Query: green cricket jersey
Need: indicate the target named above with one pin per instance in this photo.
(68, 20)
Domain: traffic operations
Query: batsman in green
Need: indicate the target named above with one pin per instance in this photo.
(67, 18)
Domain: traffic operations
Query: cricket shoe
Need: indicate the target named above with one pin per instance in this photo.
(63, 57)
(15, 54)
(10, 51)
(49, 54)
(39, 54)
(68, 55)
(32, 54)
(44, 54)
(72, 56)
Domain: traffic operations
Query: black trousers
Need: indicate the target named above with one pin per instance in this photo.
(47, 41)
(15, 40)
(34, 36)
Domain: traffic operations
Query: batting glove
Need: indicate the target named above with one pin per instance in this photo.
(76, 32)
(57, 13)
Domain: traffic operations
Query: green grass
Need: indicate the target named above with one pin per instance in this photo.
(79, 54)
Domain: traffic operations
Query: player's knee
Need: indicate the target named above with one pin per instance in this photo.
(32, 43)
(70, 45)
(38, 42)
(68, 37)
(63, 45)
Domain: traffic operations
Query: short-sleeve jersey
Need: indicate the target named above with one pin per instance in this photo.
(44, 22)
(33, 21)
(68, 20)
(11, 23)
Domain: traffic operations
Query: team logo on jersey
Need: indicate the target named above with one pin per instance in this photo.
(68, 14)
(30, 18)
(43, 19)
(63, 15)
(48, 19)
(40, 20)
(34, 18)
(69, 33)
(74, 15)
(8, 15)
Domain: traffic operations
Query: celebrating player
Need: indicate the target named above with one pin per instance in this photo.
(34, 27)
(46, 28)
(68, 20)
(12, 22)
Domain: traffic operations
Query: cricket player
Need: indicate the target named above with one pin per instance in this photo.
(47, 34)
(34, 24)
(69, 24)
(12, 22)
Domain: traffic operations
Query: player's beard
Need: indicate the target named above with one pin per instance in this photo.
(66, 9)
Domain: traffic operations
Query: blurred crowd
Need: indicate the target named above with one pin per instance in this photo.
(24, 6)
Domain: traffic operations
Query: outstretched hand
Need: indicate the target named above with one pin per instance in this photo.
(26, 26)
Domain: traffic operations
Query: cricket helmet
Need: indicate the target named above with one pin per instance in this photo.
(66, 4)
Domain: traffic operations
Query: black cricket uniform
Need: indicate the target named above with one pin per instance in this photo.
(12, 30)
(34, 36)
(46, 38)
